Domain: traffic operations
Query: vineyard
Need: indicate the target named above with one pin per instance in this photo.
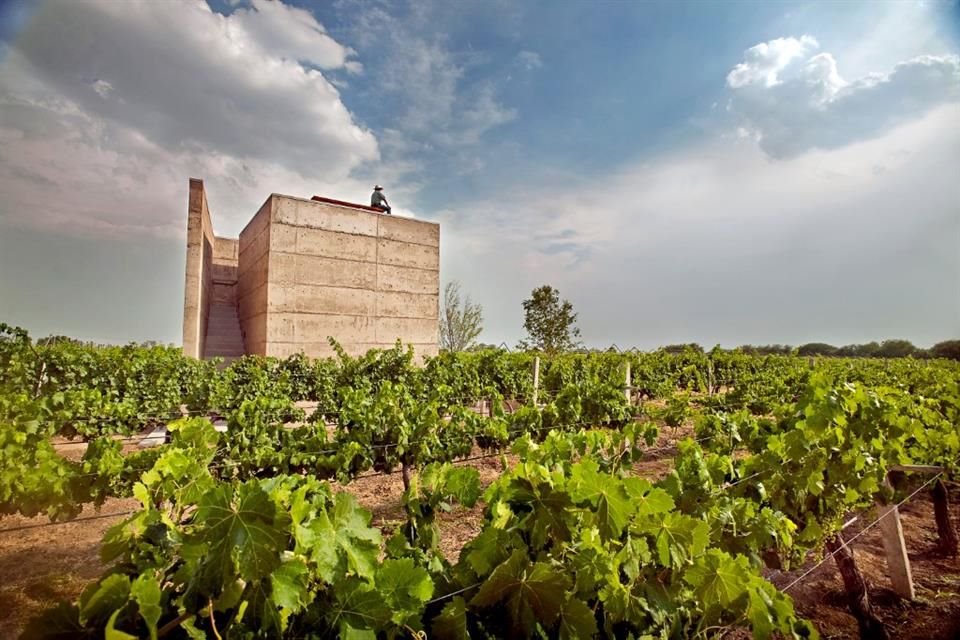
(241, 522)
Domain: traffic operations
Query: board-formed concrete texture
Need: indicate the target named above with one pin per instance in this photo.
(305, 270)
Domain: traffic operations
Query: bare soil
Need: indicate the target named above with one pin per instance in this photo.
(39, 566)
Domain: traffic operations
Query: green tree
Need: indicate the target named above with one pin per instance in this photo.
(817, 349)
(461, 319)
(946, 349)
(896, 349)
(549, 322)
(680, 348)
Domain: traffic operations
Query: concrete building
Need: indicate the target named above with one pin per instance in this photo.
(303, 270)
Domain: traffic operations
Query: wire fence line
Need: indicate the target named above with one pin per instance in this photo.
(147, 435)
(233, 464)
(846, 542)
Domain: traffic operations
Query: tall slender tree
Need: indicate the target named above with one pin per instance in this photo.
(461, 319)
(549, 322)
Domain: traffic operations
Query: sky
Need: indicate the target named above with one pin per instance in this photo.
(723, 173)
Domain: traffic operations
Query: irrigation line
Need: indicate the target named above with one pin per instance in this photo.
(64, 522)
(846, 543)
(744, 479)
(455, 593)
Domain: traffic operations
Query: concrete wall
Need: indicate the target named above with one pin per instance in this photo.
(363, 278)
(199, 273)
(251, 291)
(224, 263)
(303, 270)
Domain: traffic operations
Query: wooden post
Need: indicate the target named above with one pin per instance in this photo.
(898, 563)
(627, 389)
(941, 513)
(536, 378)
(858, 598)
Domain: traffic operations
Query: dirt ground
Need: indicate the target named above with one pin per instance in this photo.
(42, 565)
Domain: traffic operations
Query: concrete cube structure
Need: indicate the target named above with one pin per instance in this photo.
(305, 270)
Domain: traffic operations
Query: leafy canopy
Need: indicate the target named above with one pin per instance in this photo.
(549, 322)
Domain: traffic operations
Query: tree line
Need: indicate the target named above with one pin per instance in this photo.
(550, 323)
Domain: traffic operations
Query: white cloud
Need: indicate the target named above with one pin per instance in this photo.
(114, 105)
(764, 62)
(292, 33)
(529, 60)
(794, 102)
(103, 88)
(840, 245)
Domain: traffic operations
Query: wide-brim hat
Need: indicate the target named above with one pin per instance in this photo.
(377, 187)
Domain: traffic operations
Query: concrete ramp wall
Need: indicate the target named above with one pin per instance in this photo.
(211, 280)
(199, 275)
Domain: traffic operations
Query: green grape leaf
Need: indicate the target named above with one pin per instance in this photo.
(358, 611)
(604, 492)
(342, 544)
(101, 599)
(646, 498)
(634, 554)
(679, 537)
(145, 590)
(577, 620)
(486, 551)
(463, 483)
(247, 530)
(451, 624)
(531, 594)
(717, 578)
(405, 588)
(289, 587)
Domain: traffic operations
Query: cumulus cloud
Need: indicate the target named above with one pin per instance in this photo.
(195, 77)
(764, 62)
(111, 106)
(293, 33)
(794, 100)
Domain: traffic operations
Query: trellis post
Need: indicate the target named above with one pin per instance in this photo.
(536, 378)
(898, 562)
(627, 385)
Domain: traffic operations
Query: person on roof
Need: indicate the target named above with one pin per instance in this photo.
(379, 200)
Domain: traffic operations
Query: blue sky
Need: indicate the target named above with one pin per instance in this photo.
(721, 172)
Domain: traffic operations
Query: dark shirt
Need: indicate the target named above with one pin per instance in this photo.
(378, 199)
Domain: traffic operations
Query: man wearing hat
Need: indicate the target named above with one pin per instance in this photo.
(380, 200)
